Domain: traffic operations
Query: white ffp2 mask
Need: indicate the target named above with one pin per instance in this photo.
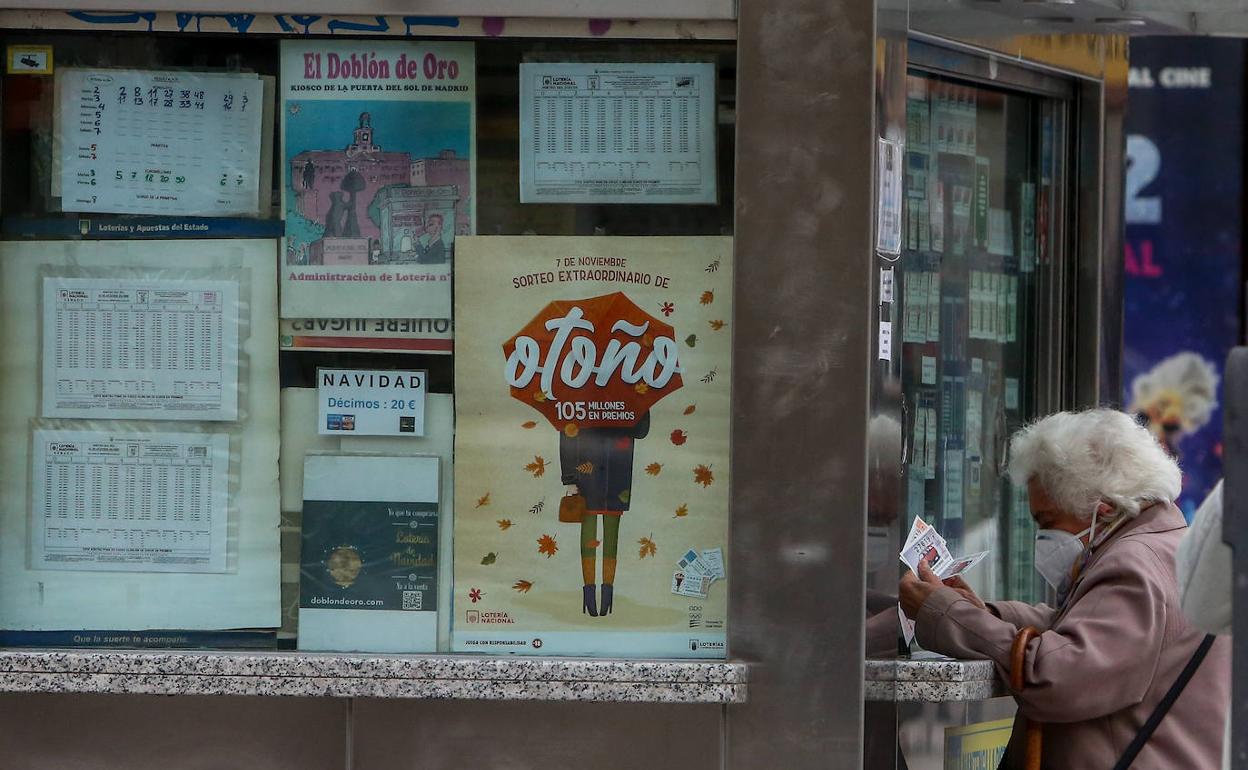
(1056, 552)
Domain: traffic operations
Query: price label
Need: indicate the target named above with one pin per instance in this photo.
(371, 402)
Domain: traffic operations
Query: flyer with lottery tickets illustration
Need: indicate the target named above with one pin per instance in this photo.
(592, 445)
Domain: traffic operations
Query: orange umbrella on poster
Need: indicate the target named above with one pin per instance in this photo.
(600, 362)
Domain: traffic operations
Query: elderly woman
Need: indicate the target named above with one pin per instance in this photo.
(1102, 495)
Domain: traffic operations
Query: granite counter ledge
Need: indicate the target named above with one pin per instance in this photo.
(376, 676)
(931, 679)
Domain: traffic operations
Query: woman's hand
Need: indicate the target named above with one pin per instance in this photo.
(959, 585)
(913, 591)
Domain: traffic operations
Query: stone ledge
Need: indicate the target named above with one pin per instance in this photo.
(372, 676)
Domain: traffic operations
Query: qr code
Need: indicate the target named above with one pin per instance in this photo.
(412, 600)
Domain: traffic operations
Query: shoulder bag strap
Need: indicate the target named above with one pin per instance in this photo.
(1159, 713)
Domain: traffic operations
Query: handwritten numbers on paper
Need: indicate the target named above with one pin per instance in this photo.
(134, 146)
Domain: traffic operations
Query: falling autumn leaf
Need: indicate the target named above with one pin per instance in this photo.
(570, 430)
(648, 547)
(483, 501)
(679, 437)
(702, 475)
(709, 377)
(538, 507)
(691, 340)
(585, 468)
(707, 297)
(547, 545)
(593, 543)
(713, 266)
(537, 467)
(681, 512)
(690, 409)
(504, 524)
(522, 586)
(539, 396)
(489, 558)
(717, 324)
(528, 425)
(625, 496)
(641, 387)
(654, 469)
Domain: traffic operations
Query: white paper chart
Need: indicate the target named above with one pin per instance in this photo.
(617, 133)
(150, 142)
(130, 502)
(140, 349)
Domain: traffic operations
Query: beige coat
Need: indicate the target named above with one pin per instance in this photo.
(1104, 660)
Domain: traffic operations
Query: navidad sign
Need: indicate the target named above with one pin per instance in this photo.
(592, 444)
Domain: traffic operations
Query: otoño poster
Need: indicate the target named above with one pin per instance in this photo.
(379, 166)
(592, 445)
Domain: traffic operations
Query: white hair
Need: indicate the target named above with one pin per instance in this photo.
(1083, 458)
(1193, 378)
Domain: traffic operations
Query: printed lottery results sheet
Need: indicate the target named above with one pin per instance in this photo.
(148, 349)
(153, 142)
(617, 133)
(140, 502)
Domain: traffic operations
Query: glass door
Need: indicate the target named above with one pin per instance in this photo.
(979, 303)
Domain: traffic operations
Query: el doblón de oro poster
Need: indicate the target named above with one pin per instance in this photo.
(604, 363)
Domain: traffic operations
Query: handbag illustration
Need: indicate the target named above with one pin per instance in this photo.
(572, 509)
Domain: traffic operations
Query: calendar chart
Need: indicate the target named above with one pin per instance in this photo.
(162, 143)
(617, 133)
(141, 502)
(140, 349)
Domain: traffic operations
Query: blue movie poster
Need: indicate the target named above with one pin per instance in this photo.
(1183, 208)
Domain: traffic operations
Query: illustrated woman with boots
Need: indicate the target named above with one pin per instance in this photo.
(597, 464)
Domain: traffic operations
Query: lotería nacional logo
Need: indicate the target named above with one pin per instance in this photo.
(702, 644)
(489, 617)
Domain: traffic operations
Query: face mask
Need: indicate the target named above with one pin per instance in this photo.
(878, 552)
(1056, 552)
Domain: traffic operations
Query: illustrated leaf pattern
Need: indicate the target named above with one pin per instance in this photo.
(691, 340)
(648, 547)
(654, 469)
(530, 425)
(539, 396)
(571, 430)
(504, 524)
(537, 467)
(679, 437)
(641, 387)
(483, 501)
(489, 558)
(707, 297)
(625, 496)
(547, 545)
(522, 586)
(717, 324)
(690, 409)
(713, 267)
(538, 507)
(709, 377)
(702, 475)
(681, 512)
(586, 468)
